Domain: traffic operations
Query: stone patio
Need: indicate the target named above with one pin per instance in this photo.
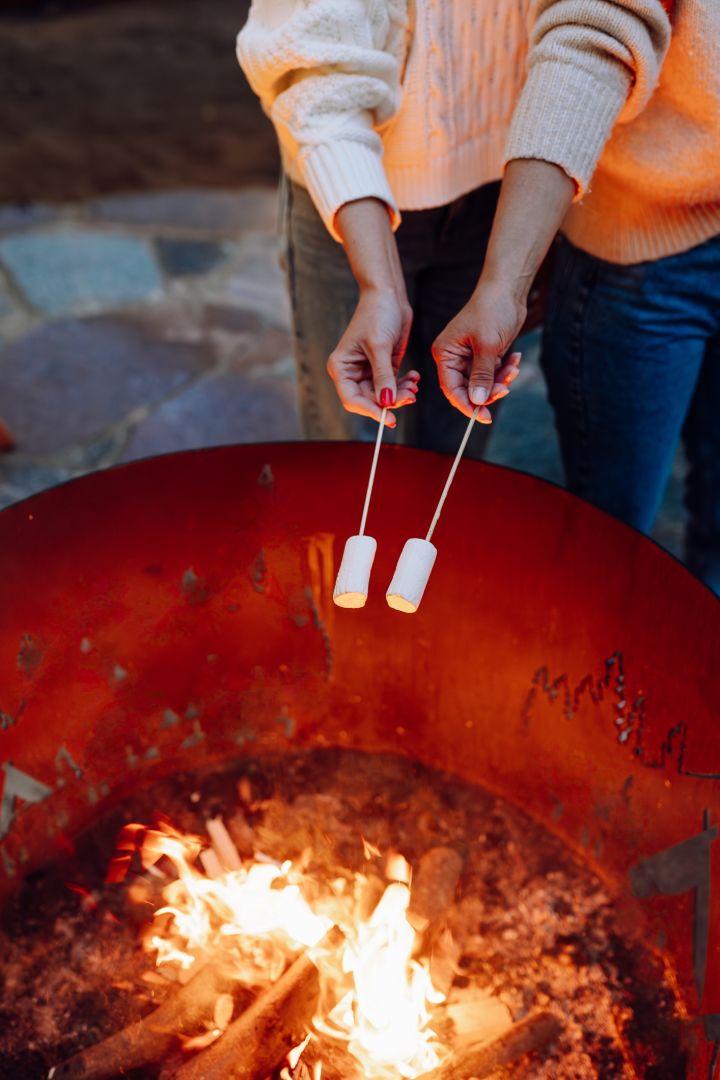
(139, 325)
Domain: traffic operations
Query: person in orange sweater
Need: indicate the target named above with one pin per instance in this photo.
(627, 166)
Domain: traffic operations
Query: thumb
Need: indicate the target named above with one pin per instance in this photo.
(384, 381)
(482, 377)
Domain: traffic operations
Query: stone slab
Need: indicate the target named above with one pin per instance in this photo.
(231, 320)
(229, 408)
(269, 355)
(76, 270)
(14, 216)
(180, 257)
(224, 213)
(66, 382)
(256, 283)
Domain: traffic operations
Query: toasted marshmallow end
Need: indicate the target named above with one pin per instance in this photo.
(350, 600)
(399, 603)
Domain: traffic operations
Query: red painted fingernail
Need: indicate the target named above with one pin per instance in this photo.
(386, 397)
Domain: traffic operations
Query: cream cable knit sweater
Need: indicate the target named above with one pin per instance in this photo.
(434, 84)
(409, 102)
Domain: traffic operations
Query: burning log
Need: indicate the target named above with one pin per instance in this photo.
(476, 1062)
(433, 890)
(336, 1061)
(257, 1041)
(222, 845)
(155, 1036)
(433, 886)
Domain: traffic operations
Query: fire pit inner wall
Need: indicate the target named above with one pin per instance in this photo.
(179, 610)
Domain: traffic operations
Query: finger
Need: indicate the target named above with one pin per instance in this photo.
(360, 405)
(406, 393)
(407, 385)
(497, 393)
(380, 356)
(358, 396)
(509, 370)
(454, 387)
(451, 367)
(483, 417)
(504, 378)
(482, 377)
(406, 381)
(452, 362)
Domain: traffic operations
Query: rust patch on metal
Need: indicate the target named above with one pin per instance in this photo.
(30, 655)
(194, 588)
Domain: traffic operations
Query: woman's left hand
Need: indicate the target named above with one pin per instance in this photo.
(470, 353)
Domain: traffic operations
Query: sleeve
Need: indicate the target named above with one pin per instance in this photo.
(327, 73)
(592, 63)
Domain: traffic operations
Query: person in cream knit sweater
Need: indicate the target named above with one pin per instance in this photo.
(392, 117)
(384, 110)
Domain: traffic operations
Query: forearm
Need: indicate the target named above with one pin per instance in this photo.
(365, 364)
(366, 232)
(534, 198)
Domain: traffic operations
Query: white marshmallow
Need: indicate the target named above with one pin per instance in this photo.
(351, 585)
(411, 575)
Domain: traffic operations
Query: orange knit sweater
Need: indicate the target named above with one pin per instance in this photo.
(411, 102)
(656, 188)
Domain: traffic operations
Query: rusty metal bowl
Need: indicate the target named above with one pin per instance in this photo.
(179, 610)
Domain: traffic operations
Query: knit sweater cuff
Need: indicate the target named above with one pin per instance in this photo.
(565, 116)
(342, 171)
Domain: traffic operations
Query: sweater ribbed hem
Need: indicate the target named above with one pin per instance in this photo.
(342, 171)
(437, 181)
(623, 227)
(336, 173)
(564, 116)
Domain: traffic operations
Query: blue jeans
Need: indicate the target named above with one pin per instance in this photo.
(631, 355)
(441, 252)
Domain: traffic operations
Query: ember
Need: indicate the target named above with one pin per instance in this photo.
(485, 945)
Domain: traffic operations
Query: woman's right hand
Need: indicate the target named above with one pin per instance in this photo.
(365, 364)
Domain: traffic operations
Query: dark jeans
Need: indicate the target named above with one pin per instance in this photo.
(442, 252)
(631, 355)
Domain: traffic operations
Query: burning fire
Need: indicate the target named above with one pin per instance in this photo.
(251, 918)
(255, 916)
(383, 1015)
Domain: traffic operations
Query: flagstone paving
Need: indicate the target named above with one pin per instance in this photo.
(144, 324)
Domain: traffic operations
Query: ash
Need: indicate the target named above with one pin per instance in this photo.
(529, 924)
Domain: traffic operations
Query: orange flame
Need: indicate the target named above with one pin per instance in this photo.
(256, 917)
(383, 1015)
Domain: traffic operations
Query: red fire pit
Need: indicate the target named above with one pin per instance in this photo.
(179, 610)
